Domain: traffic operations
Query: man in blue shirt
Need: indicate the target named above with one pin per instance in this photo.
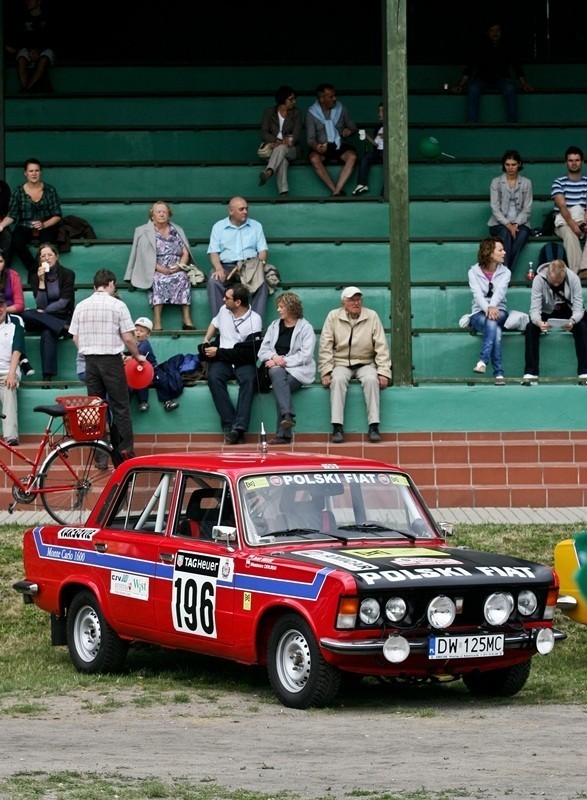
(234, 239)
(569, 193)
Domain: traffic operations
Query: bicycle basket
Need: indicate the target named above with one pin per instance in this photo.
(85, 417)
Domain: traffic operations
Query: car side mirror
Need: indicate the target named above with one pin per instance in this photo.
(447, 528)
(224, 533)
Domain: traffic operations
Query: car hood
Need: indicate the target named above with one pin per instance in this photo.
(425, 565)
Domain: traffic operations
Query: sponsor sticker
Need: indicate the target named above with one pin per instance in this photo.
(128, 585)
(84, 534)
(260, 482)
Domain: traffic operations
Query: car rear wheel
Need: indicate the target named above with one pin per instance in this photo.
(498, 682)
(93, 645)
(298, 673)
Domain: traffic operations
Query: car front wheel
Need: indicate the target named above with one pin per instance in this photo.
(298, 673)
(93, 645)
(498, 682)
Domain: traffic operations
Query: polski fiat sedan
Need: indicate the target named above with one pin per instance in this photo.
(314, 566)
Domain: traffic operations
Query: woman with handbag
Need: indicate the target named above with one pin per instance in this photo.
(287, 351)
(159, 255)
(281, 127)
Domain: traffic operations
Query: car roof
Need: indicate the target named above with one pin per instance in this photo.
(247, 461)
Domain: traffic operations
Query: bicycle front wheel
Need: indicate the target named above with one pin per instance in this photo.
(73, 479)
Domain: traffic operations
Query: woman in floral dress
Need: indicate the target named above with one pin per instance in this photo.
(159, 252)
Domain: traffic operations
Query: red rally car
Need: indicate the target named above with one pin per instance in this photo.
(313, 565)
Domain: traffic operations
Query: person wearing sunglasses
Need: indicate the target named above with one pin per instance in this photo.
(489, 280)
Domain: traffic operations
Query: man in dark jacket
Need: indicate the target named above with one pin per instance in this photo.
(490, 68)
(234, 359)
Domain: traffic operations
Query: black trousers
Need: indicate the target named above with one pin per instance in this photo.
(21, 239)
(532, 334)
(105, 376)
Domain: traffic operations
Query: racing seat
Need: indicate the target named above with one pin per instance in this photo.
(306, 513)
(201, 513)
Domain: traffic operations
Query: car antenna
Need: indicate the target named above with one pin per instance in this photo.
(263, 438)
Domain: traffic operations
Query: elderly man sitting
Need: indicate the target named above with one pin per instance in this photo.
(353, 345)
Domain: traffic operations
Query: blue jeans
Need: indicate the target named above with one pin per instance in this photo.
(512, 246)
(505, 86)
(491, 345)
(284, 385)
(219, 374)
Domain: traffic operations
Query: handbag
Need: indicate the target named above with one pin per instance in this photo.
(194, 273)
(263, 380)
(264, 150)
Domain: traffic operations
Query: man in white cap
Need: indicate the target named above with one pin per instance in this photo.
(353, 345)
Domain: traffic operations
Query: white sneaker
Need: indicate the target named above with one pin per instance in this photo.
(499, 380)
(528, 378)
(480, 366)
(583, 378)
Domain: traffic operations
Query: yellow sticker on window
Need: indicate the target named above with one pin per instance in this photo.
(259, 482)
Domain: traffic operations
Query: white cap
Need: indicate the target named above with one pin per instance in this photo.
(145, 322)
(349, 292)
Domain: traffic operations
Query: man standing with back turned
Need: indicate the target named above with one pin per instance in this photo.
(102, 328)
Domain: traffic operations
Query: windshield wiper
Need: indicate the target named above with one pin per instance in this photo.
(373, 527)
(289, 531)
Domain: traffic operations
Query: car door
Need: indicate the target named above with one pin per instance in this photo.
(128, 550)
(197, 609)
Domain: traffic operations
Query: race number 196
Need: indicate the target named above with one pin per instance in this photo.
(193, 601)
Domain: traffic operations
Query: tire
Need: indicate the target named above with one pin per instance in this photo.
(93, 645)
(76, 473)
(298, 673)
(498, 682)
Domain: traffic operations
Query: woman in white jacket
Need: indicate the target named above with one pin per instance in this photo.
(287, 351)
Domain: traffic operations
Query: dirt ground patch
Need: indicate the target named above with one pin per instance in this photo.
(512, 751)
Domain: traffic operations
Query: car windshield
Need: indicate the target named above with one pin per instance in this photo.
(332, 505)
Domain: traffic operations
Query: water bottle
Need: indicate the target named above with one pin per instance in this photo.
(530, 274)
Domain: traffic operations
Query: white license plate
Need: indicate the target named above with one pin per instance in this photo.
(476, 646)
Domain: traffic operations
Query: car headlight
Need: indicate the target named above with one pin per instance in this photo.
(395, 609)
(396, 649)
(441, 612)
(527, 602)
(498, 608)
(369, 611)
(544, 641)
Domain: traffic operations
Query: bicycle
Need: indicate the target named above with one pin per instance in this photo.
(70, 477)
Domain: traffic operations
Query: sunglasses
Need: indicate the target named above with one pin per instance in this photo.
(489, 290)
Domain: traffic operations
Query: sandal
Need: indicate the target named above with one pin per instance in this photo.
(170, 405)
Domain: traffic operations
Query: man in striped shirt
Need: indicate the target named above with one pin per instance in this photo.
(569, 193)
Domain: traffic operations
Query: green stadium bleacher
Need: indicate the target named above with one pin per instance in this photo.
(110, 157)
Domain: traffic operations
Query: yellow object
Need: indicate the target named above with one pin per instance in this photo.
(567, 564)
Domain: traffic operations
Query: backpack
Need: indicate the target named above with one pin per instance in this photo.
(550, 252)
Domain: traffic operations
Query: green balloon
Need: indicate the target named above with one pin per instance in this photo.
(429, 147)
